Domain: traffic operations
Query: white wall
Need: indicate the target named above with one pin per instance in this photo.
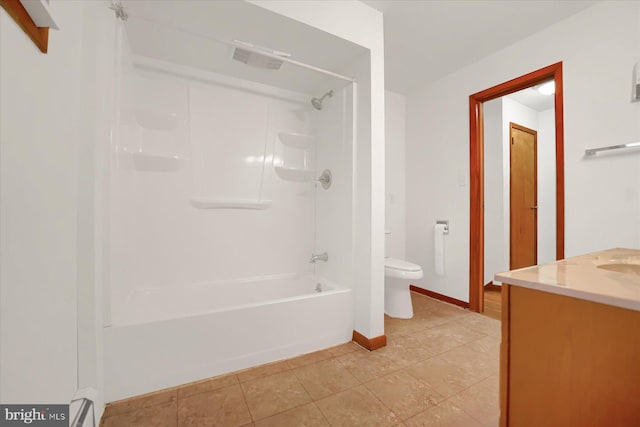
(39, 114)
(598, 48)
(638, 103)
(395, 185)
(494, 219)
(338, 19)
(98, 58)
(546, 186)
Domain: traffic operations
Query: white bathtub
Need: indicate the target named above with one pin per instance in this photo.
(163, 338)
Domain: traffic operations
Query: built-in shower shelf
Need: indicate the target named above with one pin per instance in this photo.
(296, 140)
(155, 162)
(158, 120)
(209, 203)
(294, 174)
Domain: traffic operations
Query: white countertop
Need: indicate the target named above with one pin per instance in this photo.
(580, 277)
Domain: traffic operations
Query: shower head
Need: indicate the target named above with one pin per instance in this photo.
(317, 102)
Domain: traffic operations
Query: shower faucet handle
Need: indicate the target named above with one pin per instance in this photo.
(319, 257)
(325, 179)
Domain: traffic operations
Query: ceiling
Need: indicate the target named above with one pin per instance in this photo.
(533, 99)
(192, 33)
(426, 40)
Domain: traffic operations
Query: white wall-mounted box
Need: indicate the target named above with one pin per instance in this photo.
(40, 12)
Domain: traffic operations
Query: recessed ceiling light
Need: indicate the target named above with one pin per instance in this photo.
(548, 88)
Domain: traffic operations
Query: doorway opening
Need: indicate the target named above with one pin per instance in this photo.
(477, 175)
(523, 197)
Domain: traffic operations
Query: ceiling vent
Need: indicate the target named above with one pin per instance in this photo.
(252, 55)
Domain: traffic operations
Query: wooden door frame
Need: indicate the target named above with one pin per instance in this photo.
(534, 133)
(476, 171)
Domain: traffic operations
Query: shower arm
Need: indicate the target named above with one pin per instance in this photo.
(326, 95)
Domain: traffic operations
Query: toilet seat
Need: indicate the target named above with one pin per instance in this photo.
(401, 269)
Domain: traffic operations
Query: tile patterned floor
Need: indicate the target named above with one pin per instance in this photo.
(438, 369)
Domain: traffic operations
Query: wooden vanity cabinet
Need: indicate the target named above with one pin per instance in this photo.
(567, 362)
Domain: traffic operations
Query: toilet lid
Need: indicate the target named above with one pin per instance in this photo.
(399, 264)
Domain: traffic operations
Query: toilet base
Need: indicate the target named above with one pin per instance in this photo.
(397, 298)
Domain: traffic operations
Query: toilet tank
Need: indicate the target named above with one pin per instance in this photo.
(387, 242)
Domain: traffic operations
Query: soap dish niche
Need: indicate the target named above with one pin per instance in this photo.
(158, 120)
(221, 203)
(294, 174)
(155, 162)
(296, 140)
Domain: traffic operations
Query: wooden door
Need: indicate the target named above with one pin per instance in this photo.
(523, 197)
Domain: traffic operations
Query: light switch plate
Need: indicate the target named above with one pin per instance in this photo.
(635, 95)
(462, 179)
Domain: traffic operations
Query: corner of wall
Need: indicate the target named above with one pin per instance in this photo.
(337, 18)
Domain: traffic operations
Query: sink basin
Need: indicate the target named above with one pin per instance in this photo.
(633, 269)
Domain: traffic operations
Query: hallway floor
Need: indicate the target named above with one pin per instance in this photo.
(438, 369)
(493, 304)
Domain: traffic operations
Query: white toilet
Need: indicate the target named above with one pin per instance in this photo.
(398, 275)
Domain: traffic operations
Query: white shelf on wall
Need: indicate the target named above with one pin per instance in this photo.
(296, 140)
(294, 174)
(594, 151)
(155, 162)
(211, 203)
(157, 120)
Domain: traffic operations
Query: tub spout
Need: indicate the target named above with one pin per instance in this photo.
(319, 257)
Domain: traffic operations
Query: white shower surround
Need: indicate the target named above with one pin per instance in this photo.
(173, 336)
(209, 255)
(159, 234)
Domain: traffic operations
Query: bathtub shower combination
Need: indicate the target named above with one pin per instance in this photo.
(230, 200)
